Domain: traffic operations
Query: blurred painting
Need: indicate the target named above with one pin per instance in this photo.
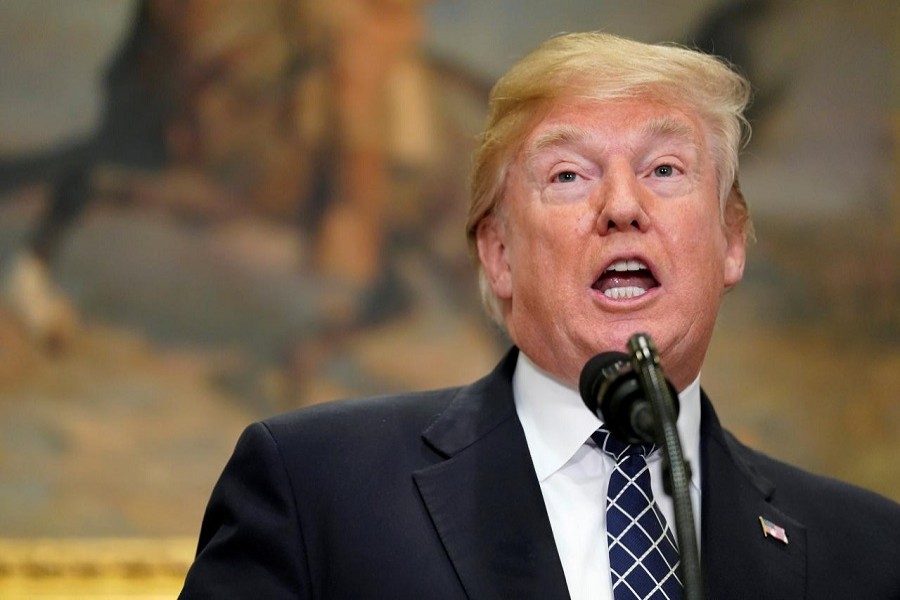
(212, 211)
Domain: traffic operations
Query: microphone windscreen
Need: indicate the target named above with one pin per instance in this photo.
(593, 376)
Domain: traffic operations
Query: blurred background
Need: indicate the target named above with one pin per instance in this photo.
(212, 211)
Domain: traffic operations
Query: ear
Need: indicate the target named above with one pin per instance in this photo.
(738, 230)
(492, 252)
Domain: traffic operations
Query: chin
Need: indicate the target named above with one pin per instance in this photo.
(616, 338)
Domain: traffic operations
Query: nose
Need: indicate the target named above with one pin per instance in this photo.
(621, 206)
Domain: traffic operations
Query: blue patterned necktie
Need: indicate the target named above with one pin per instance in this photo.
(643, 556)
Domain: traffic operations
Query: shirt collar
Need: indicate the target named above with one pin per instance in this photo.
(557, 423)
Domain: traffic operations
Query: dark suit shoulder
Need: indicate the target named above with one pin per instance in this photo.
(847, 527)
(815, 493)
(391, 424)
(410, 406)
(381, 420)
(336, 448)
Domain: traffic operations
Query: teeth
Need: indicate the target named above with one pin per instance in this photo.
(626, 265)
(624, 292)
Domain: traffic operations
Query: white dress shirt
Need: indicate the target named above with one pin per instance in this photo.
(574, 473)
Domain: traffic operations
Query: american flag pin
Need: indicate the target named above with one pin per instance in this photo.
(772, 530)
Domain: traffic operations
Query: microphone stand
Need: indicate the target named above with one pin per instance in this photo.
(676, 472)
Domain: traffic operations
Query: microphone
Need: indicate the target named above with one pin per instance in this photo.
(639, 405)
(610, 388)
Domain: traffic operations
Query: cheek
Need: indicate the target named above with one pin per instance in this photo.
(585, 224)
(540, 262)
(678, 219)
(699, 248)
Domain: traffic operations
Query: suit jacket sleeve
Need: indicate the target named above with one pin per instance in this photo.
(251, 544)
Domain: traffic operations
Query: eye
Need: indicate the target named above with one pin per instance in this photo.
(664, 171)
(565, 177)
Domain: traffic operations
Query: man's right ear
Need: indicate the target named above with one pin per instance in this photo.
(492, 252)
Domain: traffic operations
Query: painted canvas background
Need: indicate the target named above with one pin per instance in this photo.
(268, 203)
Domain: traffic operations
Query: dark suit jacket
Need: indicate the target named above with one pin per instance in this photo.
(433, 495)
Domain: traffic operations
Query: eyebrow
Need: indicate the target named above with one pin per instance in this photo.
(669, 127)
(561, 135)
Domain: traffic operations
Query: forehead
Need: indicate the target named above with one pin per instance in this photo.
(619, 123)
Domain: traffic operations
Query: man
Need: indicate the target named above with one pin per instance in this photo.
(605, 202)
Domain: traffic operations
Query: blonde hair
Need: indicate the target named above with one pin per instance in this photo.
(604, 67)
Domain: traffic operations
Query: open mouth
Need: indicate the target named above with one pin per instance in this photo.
(626, 278)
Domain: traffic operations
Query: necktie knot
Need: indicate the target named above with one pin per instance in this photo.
(618, 449)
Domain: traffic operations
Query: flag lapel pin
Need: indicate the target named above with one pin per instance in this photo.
(772, 530)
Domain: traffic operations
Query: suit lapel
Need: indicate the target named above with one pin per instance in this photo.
(739, 561)
(484, 498)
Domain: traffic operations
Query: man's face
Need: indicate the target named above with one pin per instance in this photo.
(611, 226)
